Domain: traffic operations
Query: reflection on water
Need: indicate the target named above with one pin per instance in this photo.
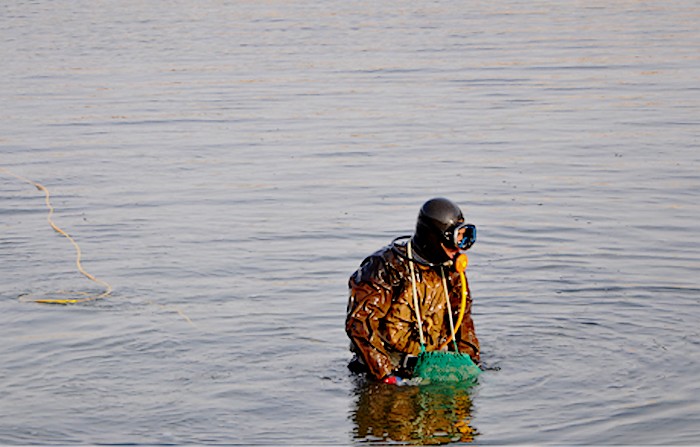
(430, 414)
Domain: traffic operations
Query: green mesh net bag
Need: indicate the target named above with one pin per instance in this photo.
(445, 367)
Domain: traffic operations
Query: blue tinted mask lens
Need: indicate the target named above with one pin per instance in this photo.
(467, 238)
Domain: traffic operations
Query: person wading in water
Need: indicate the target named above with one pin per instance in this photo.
(381, 315)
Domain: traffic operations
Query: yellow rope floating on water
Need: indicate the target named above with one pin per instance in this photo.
(78, 251)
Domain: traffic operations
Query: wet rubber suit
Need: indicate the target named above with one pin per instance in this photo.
(381, 319)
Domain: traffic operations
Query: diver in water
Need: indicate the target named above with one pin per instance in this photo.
(382, 321)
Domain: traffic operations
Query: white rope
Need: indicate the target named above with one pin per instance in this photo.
(415, 294)
(449, 307)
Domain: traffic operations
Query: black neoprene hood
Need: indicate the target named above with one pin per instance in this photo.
(435, 220)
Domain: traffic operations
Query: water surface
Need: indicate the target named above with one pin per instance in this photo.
(230, 164)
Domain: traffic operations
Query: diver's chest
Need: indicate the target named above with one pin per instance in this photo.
(430, 290)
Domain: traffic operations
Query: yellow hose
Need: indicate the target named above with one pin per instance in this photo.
(463, 305)
(78, 252)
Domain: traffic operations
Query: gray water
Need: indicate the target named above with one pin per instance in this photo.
(225, 166)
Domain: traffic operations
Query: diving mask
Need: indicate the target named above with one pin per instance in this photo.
(464, 236)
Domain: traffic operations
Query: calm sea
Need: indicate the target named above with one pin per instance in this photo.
(225, 166)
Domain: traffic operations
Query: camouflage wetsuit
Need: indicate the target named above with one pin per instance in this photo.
(381, 319)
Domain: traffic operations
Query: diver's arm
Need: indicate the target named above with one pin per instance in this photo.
(370, 299)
